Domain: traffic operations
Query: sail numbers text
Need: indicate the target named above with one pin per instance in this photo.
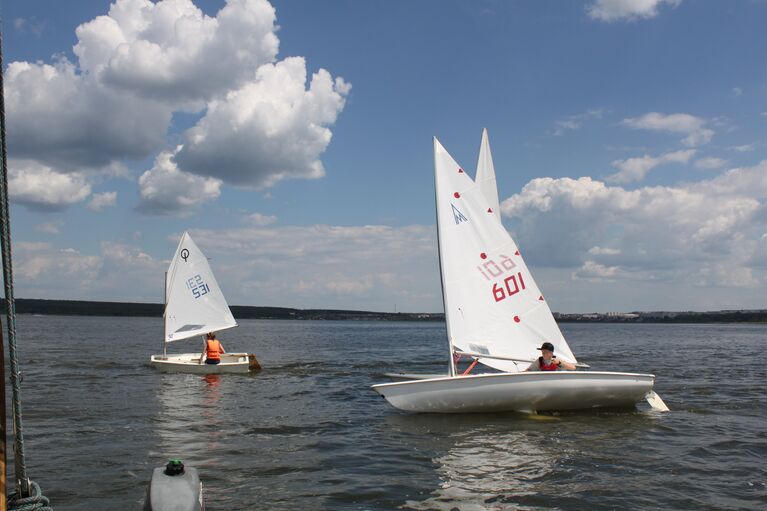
(197, 286)
(510, 285)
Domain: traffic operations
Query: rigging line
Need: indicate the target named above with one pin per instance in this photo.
(19, 460)
(25, 489)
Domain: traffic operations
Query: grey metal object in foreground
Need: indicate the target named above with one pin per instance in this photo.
(174, 488)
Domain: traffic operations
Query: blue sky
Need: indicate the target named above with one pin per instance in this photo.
(628, 139)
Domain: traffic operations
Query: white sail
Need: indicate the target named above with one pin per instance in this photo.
(485, 176)
(195, 304)
(492, 303)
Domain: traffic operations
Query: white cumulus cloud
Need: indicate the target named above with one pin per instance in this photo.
(172, 51)
(710, 163)
(40, 187)
(65, 119)
(49, 227)
(46, 271)
(142, 62)
(165, 190)
(603, 251)
(261, 220)
(626, 10)
(30, 25)
(575, 122)
(694, 128)
(118, 271)
(664, 233)
(101, 201)
(368, 267)
(635, 169)
(592, 270)
(270, 129)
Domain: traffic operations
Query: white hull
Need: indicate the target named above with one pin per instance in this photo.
(523, 392)
(413, 376)
(190, 363)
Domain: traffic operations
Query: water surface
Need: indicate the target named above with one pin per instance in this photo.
(308, 433)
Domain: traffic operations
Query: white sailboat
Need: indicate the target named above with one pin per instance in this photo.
(496, 314)
(194, 306)
(485, 179)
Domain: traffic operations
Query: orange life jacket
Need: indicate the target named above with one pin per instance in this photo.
(213, 349)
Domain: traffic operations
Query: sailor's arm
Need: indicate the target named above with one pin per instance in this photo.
(566, 365)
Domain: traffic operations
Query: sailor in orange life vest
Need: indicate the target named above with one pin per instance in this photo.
(213, 350)
(548, 362)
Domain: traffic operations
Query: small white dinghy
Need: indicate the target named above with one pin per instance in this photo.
(496, 315)
(195, 305)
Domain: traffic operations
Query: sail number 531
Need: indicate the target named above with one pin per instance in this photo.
(197, 286)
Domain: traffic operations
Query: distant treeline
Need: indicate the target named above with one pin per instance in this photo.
(83, 308)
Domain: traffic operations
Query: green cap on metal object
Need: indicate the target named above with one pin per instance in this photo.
(174, 468)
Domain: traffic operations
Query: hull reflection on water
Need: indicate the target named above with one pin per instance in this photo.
(188, 422)
(486, 471)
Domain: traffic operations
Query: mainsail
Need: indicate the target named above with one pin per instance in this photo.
(492, 303)
(485, 176)
(195, 304)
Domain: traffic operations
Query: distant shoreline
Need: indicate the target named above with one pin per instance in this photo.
(154, 310)
(126, 309)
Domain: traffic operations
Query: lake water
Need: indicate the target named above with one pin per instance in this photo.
(308, 433)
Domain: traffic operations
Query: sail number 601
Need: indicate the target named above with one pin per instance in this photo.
(502, 289)
(502, 292)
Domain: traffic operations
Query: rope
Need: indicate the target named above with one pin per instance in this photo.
(24, 487)
(35, 502)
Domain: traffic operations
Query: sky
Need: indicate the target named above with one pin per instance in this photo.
(293, 141)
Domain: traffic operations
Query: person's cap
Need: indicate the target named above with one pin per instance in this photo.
(547, 346)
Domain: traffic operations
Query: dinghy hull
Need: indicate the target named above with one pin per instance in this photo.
(413, 376)
(522, 392)
(190, 363)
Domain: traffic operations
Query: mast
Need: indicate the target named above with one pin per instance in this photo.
(164, 318)
(441, 274)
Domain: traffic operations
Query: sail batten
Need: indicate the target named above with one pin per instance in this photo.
(491, 299)
(195, 304)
